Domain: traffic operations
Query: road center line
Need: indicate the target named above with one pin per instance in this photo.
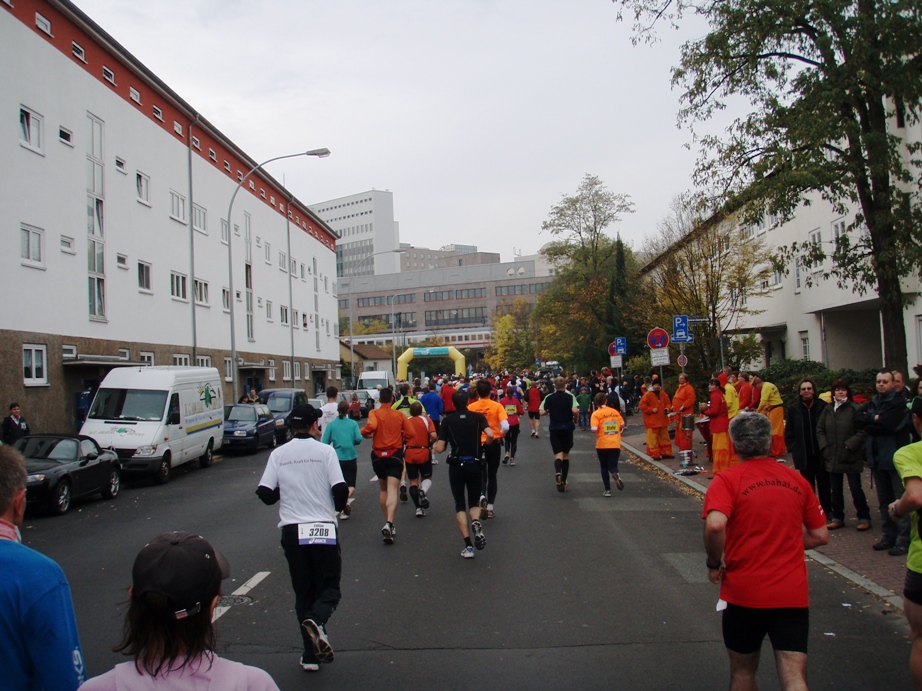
(242, 590)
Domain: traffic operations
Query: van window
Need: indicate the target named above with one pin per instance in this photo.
(128, 404)
(174, 407)
(369, 383)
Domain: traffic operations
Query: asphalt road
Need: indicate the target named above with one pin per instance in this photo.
(572, 591)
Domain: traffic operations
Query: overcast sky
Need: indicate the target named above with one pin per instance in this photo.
(477, 114)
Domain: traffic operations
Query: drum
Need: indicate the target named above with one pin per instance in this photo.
(688, 423)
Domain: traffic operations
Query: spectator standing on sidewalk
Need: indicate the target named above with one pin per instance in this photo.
(908, 461)
(304, 477)
(769, 403)
(655, 407)
(759, 518)
(800, 438)
(176, 582)
(886, 421)
(14, 426)
(843, 451)
(39, 644)
(584, 401)
(722, 457)
(744, 391)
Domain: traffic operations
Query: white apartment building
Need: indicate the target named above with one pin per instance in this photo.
(366, 227)
(114, 215)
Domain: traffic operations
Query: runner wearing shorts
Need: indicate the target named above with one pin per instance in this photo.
(418, 457)
(562, 410)
(385, 427)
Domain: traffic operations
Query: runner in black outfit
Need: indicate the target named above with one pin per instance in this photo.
(563, 409)
(462, 430)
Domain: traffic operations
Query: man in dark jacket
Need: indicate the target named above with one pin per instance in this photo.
(886, 420)
(800, 438)
(15, 426)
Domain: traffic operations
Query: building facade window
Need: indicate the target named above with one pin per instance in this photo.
(286, 370)
(805, 345)
(271, 370)
(142, 184)
(199, 218)
(32, 246)
(144, 283)
(203, 361)
(177, 206)
(228, 369)
(95, 226)
(200, 289)
(297, 371)
(283, 315)
(225, 299)
(147, 358)
(225, 234)
(31, 129)
(34, 365)
(182, 360)
(178, 286)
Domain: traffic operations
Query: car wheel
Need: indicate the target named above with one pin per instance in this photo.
(60, 498)
(287, 434)
(112, 487)
(208, 457)
(273, 440)
(162, 476)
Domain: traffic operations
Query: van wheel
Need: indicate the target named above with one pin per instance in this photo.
(162, 476)
(208, 457)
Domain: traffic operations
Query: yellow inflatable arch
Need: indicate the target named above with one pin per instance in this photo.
(441, 351)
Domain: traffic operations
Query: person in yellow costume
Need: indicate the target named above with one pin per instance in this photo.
(683, 403)
(770, 404)
(733, 400)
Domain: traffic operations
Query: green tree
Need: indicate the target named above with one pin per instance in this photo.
(513, 346)
(710, 268)
(829, 83)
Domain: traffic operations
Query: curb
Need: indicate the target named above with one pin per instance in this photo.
(879, 591)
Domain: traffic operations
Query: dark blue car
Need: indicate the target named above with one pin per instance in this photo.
(247, 426)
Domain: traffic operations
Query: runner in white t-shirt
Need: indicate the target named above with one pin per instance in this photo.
(305, 477)
(329, 410)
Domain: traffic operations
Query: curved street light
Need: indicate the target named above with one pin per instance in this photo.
(319, 153)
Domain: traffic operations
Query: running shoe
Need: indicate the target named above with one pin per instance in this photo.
(403, 493)
(309, 666)
(483, 504)
(511, 461)
(343, 516)
(566, 486)
(322, 649)
(435, 461)
(467, 552)
(606, 493)
(490, 513)
(479, 540)
(506, 459)
(619, 483)
(420, 513)
(423, 500)
(560, 485)
(348, 510)
(388, 532)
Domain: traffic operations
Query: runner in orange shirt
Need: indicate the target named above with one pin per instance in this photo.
(420, 433)
(498, 421)
(386, 429)
(608, 426)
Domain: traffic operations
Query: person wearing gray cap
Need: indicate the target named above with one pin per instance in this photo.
(175, 585)
(305, 477)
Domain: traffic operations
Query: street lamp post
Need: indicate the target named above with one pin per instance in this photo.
(319, 153)
(351, 326)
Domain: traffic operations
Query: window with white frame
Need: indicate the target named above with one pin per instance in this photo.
(42, 23)
(147, 358)
(271, 370)
(838, 230)
(65, 136)
(225, 235)
(157, 113)
(108, 75)
(297, 371)
(182, 359)
(203, 361)
(283, 261)
(144, 283)
(295, 319)
(268, 252)
(286, 370)
(121, 261)
(34, 365)
(805, 344)
(32, 246)
(120, 165)
(294, 267)
(178, 287)
(228, 369)
(797, 278)
(199, 218)
(283, 315)
(225, 299)
(67, 245)
(77, 51)
(134, 94)
(269, 310)
(200, 289)
(31, 132)
(142, 185)
(304, 323)
(177, 206)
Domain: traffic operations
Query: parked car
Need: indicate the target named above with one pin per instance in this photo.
(247, 426)
(66, 467)
(281, 402)
(366, 401)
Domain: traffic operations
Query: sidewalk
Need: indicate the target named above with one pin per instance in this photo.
(848, 553)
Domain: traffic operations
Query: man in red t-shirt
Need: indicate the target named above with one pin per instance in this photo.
(755, 517)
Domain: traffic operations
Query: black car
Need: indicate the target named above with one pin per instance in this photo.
(246, 426)
(281, 402)
(66, 467)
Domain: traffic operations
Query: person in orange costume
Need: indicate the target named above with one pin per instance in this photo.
(745, 392)
(722, 456)
(683, 403)
(655, 407)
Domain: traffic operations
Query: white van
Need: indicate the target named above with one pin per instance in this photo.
(371, 380)
(157, 418)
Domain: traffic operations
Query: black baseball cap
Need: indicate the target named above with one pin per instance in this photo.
(304, 415)
(182, 567)
(916, 406)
